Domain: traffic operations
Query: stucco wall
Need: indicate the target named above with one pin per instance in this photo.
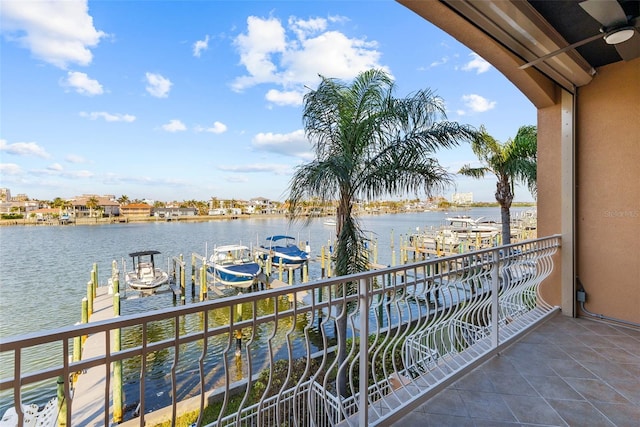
(608, 193)
(549, 197)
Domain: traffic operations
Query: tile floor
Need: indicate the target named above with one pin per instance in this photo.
(567, 372)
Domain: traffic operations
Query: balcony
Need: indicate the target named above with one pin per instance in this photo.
(574, 372)
(297, 355)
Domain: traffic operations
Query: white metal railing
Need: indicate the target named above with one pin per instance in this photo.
(301, 355)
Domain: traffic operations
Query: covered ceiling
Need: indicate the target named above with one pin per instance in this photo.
(534, 29)
(571, 21)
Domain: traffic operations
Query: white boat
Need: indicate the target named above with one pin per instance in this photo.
(330, 222)
(466, 227)
(284, 249)
(145, 276)
(232, 265)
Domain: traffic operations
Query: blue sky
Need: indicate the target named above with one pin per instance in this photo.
(168, 100)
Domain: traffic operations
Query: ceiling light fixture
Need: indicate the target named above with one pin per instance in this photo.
(619, 35)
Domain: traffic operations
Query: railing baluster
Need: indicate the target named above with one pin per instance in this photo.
(363, 293)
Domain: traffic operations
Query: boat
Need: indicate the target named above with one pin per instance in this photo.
(457, 231)
(330, 222)
(283, 249)
(145, 276)
(466, 227)
(232, 265)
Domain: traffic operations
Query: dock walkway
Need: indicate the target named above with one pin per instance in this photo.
(88, 396)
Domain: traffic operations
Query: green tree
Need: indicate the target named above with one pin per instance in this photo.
(512, 162)
(58, 203)
(369, 144)
(123, 200)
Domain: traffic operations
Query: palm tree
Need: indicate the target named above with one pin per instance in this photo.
(368, 144)
(92, 203)
(123, 200)
(512, 162)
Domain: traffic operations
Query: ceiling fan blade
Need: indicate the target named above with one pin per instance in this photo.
(607, 12)
(631, 48)
(559, 51)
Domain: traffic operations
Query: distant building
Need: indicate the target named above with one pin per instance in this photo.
(169, 213)
(136, 209)
(5, 195)
(462, 198)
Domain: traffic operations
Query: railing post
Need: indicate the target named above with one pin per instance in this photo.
(363, 412)
(495, 308)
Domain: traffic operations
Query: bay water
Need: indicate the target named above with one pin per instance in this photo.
(44, 270)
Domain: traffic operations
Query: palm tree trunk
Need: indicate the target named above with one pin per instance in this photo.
(505, 216)
(504, 196)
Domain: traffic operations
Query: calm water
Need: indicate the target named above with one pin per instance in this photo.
(44, 269)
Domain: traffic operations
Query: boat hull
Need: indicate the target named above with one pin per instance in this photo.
(239, 275)
(147, 283)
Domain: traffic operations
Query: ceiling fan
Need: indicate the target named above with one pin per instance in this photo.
(617, 29)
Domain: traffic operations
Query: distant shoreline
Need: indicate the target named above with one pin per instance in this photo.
(127, 220)
(30, 222)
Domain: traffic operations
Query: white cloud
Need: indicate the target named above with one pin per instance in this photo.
(217, 127)
(158, 85)
(439, 62)
(477, 103)
(290, 144)
(82, 84)
(264, 37)
(304, 28)
(477, 63)
(294, 56)
(10, 169)
(290, 97)
(23, 149)
(109, 117)
(73, 158)
(200, 45)
(174, 126)
(57, 32)
(55, 167)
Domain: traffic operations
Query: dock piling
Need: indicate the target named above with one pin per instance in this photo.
(117, 367)
(85, 315)
(203, 282)
(90, 296)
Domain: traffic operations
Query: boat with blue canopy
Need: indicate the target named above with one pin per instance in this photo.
(232, 265)
(284, 249)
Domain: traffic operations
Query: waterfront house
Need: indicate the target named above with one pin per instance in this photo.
(136, 209)
(106, 205)
(168, 213)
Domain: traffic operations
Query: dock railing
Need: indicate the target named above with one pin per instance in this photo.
(299, 355)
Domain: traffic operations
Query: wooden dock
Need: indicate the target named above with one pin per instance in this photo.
(88, 397)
